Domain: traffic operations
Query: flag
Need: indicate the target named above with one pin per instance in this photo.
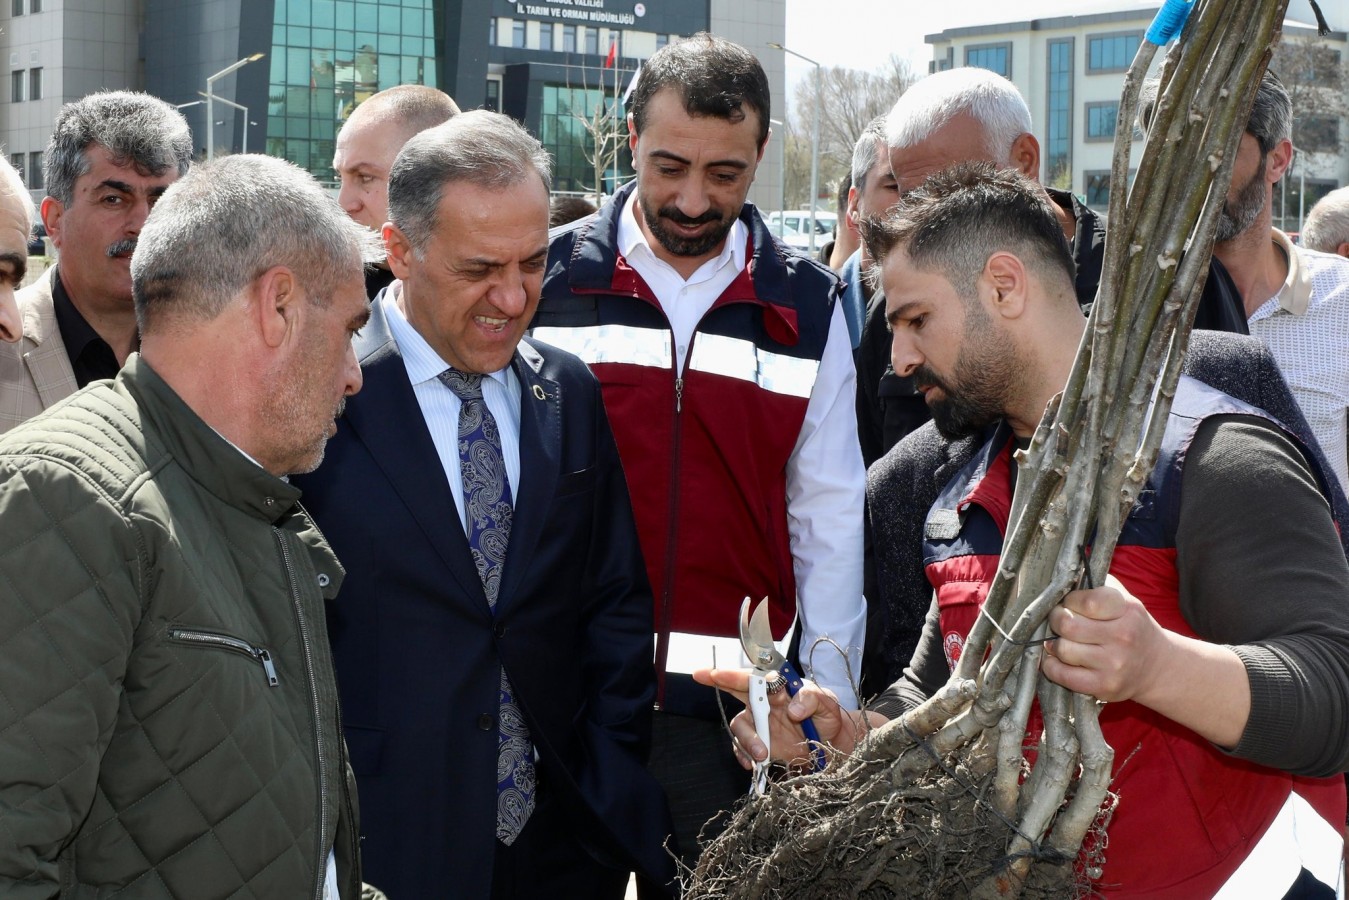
(632, 85)
(613, 55)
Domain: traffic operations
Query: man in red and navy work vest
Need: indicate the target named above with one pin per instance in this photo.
(1222, 641)
(728, 378)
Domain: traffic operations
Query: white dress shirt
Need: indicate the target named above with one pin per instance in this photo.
(1306, 328)
(440, 405)
(826, 480)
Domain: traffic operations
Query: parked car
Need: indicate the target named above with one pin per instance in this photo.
(799, 220)
(793, 238)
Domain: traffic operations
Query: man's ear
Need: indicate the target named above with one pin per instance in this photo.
(632, 135)
(398, 251)
(1343, 248)
(279, 301)
(1025, 156)
(51, 210)
(851, 216)
(1278, 161)
(1007, 284)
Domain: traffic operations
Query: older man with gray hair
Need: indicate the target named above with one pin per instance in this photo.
(1327, 227)
(170, 724)
(493, 636)
(111, 156)
(16, 224)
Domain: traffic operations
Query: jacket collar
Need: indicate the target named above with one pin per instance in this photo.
(386, 417)
(204, 455)
(596, 266)
(983, 480)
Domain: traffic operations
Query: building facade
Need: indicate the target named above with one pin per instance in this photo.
(559, 66)
(1071, 70)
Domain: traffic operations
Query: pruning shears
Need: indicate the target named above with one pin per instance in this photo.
(772, 672)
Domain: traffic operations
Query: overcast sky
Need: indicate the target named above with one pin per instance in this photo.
(861, 34)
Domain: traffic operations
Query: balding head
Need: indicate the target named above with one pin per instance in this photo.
(370, 140)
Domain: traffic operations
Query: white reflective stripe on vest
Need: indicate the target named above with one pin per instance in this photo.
(695, 651)
(612, 344)
(739, 358)
(1298, 838)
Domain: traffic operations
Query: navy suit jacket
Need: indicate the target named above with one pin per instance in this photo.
(418, 650)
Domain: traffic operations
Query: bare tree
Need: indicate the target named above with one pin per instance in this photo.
(1314, 76)
(1313, 73)
(849, 99)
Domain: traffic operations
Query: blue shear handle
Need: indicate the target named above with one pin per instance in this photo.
(788, 672)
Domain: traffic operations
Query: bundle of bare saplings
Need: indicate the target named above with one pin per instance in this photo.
(944, 801)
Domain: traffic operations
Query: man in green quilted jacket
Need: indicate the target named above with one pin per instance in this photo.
(168, 713)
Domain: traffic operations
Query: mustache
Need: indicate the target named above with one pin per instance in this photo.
(125, 245)
(674, 215)
(925, 377)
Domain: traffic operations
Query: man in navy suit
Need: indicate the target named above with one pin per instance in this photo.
(493, 635)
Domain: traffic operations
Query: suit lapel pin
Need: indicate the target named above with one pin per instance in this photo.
(539, 394)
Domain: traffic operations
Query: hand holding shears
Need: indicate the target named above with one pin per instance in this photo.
(771, 673)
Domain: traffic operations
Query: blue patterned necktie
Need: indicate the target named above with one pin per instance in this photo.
(487, 511)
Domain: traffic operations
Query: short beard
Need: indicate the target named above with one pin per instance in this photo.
(985, 370)
(1241, 212)
(681, 246)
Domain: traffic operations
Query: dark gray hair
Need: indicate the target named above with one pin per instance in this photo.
(866, 151)
(1271, 113)
(1327, 225)
(986, 96)
(225, 223)
(1271, 118)
(135, 128)
(964, 214)
(484, 148)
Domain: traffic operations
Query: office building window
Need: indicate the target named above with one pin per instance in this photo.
(662, 40)
(1101, 120)
(1059, 113)
(492, 32)
(1097, 192)
(16, 8)
(994, 57)
(16, 160)
(35, 181)
(568, 38)
(35, 84)
(1111, 52)
(16, 83)
(325, 59)
(35, 6)
(493, 95)
(592, 40)
(546, 36)
(517, 33)
(562, 131)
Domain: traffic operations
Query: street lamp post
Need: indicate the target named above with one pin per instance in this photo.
(239, 106)
(782, 175)
(814, 140)
(210, 95)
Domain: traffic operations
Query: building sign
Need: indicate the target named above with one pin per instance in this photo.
(652, 15)
(583, 11)
(590, 12)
